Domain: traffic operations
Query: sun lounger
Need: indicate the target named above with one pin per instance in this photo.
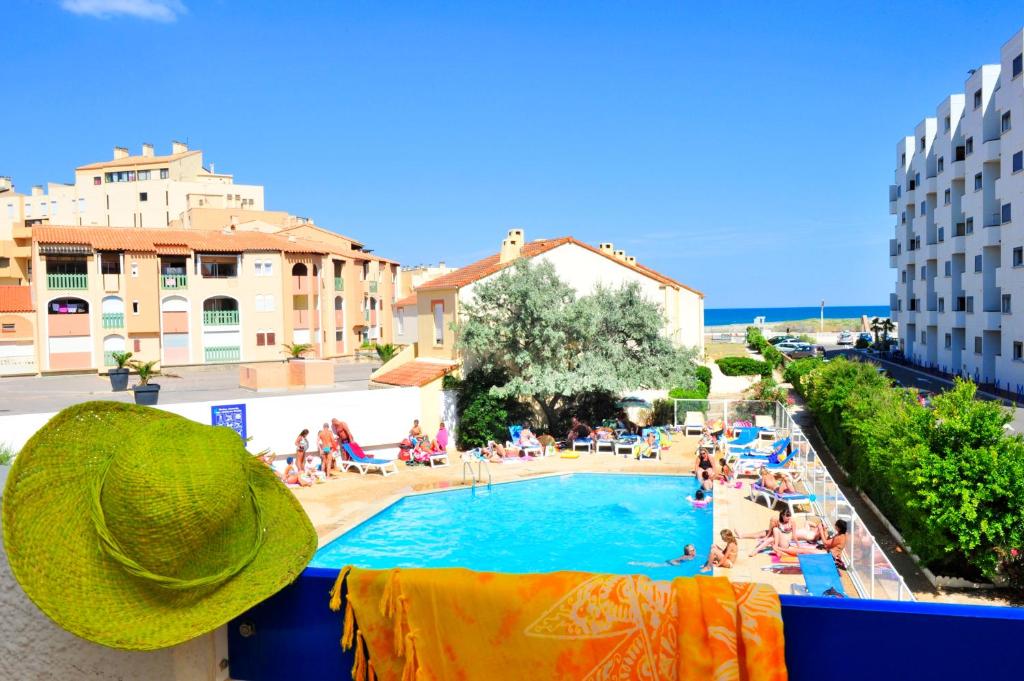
(744, 436)
(585, 444)
(361, 462)
(625, 443)
(694, 423)
(655, 451)
(438, 460)
(774, 455)
(515, 433)
(821, 575)
(771, 497)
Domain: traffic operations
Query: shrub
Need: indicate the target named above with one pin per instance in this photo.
(949, 478)
(767, 390)
(7, 454)
(743, 366)
(481, 415)
(797, 369)
(862, 344)
(703, 375)
(664, 413)
(699, 393)
(771, 355)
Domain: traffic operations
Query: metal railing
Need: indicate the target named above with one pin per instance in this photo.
(373, 286)
(68, 282)
(173, 281)
(222, 354)
(339, 284)
(108, 359)
(220, 317)
(867, 565)
(113, 320)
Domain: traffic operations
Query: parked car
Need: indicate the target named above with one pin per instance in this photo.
(783, 339)
(797, 349)
(844, 338)
(865, 336)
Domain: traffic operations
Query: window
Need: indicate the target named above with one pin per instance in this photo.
(1006, 303)
(961, 153)
(135, 269)
(917, 179)
(924, 270)
(110, 263)
(81, 205)
(121, 176)
(946, 124)
(977, 345)
(970, 304)
(924, 338)
(941, 165)
(947, 341)
(218, 266)
(1006, 213)
(969, 226)
(401, 321)
(942, 304)
(261, 339)
(977, 263)
(977, 182)
(7, 328)
(135, 307)
(143, 196)
(164, 173)
(903, 218)
(903, 277)
(437, 307)
(949, 267)
(1018, 65)
(903, 159)
(97, 180)
(259, 268)
(1018, 256)
(977, 101)
(265, 303)
(922, 144)
(266, 339)
(942, 234)
(365, 274)
(144, 174)
(946, 197)
(268, 268)
(969, 146)
(28, 210)
(923, 208)
(1018, 347)
(136, 345)
(1004, 122)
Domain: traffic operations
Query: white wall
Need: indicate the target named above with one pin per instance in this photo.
(33, 647)
(376, 417)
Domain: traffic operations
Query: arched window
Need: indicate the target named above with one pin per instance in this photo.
(299, 270)
(68, 306)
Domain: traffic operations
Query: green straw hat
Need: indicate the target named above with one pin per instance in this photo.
(137, 528)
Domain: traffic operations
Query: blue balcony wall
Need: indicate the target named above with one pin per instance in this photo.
(296, 636)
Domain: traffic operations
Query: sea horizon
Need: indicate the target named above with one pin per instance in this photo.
(723, 316)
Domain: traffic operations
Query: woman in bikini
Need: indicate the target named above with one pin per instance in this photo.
(292, 476)
(783, 523)
(833, 544)
(723, 557)
(301, 447)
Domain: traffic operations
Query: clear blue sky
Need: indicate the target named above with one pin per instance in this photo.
(745, 150)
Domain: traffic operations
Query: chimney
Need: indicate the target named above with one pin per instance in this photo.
(178, 147)
(620, 255)
(212, 171)
(607, 249)
(512, 246)
(630, 260)
(120, 152)
(147, 150)
(37, 190)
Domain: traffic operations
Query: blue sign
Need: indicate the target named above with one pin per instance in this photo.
(230, 415)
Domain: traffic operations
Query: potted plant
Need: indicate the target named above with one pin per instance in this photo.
(296, 350)
(386, 352)
(146, 393)
(119, 376)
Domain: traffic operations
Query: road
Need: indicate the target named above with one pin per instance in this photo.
(912, 378)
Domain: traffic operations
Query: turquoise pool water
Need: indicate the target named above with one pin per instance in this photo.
(621, 524)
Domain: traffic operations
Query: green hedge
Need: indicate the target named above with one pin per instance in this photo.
(797, 369)
(703, 375)
(698, 393)
(949, 477)
(756, 340)
(744, 366)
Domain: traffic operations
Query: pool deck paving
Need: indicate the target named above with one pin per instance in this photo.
(343, 502)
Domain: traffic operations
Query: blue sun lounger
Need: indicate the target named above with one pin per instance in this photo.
(363, 463)
(744, 437)
(753, 454)
(821, 574)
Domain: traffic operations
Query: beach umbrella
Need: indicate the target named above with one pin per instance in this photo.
(633, 402)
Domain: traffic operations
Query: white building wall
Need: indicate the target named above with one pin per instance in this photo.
(964, 268)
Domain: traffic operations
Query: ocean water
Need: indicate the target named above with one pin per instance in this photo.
(745, 315)
(618, 524)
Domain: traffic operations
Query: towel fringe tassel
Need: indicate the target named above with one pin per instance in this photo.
(410, 669)
(359, 667)
(349, 630)
(336, 589)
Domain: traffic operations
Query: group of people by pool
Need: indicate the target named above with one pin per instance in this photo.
(310, 465)
(417, 447)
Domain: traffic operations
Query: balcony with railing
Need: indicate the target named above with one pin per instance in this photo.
(108, 359)
(67, 281)
(372, 286)
(172, 282)
(993, 219)
(220, 317)
(222, 354)
(339, 284)
(113, 320)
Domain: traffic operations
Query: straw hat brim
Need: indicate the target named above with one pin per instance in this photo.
(56, 556)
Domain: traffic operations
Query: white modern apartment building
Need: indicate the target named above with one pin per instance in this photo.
(959, 237)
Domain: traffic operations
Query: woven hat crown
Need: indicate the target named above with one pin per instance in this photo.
(175, 498)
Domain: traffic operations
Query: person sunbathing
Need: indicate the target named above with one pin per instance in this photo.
(833, 544)
(342, 431)
(767, 537)
(722, 556)
(643, 448)
(783, 485)
(725, 471)
(292, 476)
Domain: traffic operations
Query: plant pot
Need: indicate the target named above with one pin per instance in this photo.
(147, 395)
(119, 379)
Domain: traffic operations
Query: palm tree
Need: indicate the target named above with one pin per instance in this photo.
(876, 328)
(386, 352)
(148, 370)
(296, 350)
(887, 327)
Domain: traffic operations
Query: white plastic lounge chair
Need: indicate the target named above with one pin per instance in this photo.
(625, 443)
(438, 460)
(604, 446)
(772, 498)
(694, 423)
(515, 432)
(363, 463)
(584, 445)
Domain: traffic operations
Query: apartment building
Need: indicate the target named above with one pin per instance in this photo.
(189, 297)
(144, 190)
(958, 253)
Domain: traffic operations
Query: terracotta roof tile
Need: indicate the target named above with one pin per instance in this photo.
(415, 373)
(16, 299)
(137, 161)
(405, 302)
(491, 264)
(170, 240)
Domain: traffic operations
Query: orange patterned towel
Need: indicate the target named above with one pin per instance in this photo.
(452, 623)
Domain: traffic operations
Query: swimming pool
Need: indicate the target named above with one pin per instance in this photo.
(620, 524)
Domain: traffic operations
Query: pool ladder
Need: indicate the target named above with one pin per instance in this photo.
(468, 459)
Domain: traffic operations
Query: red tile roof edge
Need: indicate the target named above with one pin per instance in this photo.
(16, 299)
